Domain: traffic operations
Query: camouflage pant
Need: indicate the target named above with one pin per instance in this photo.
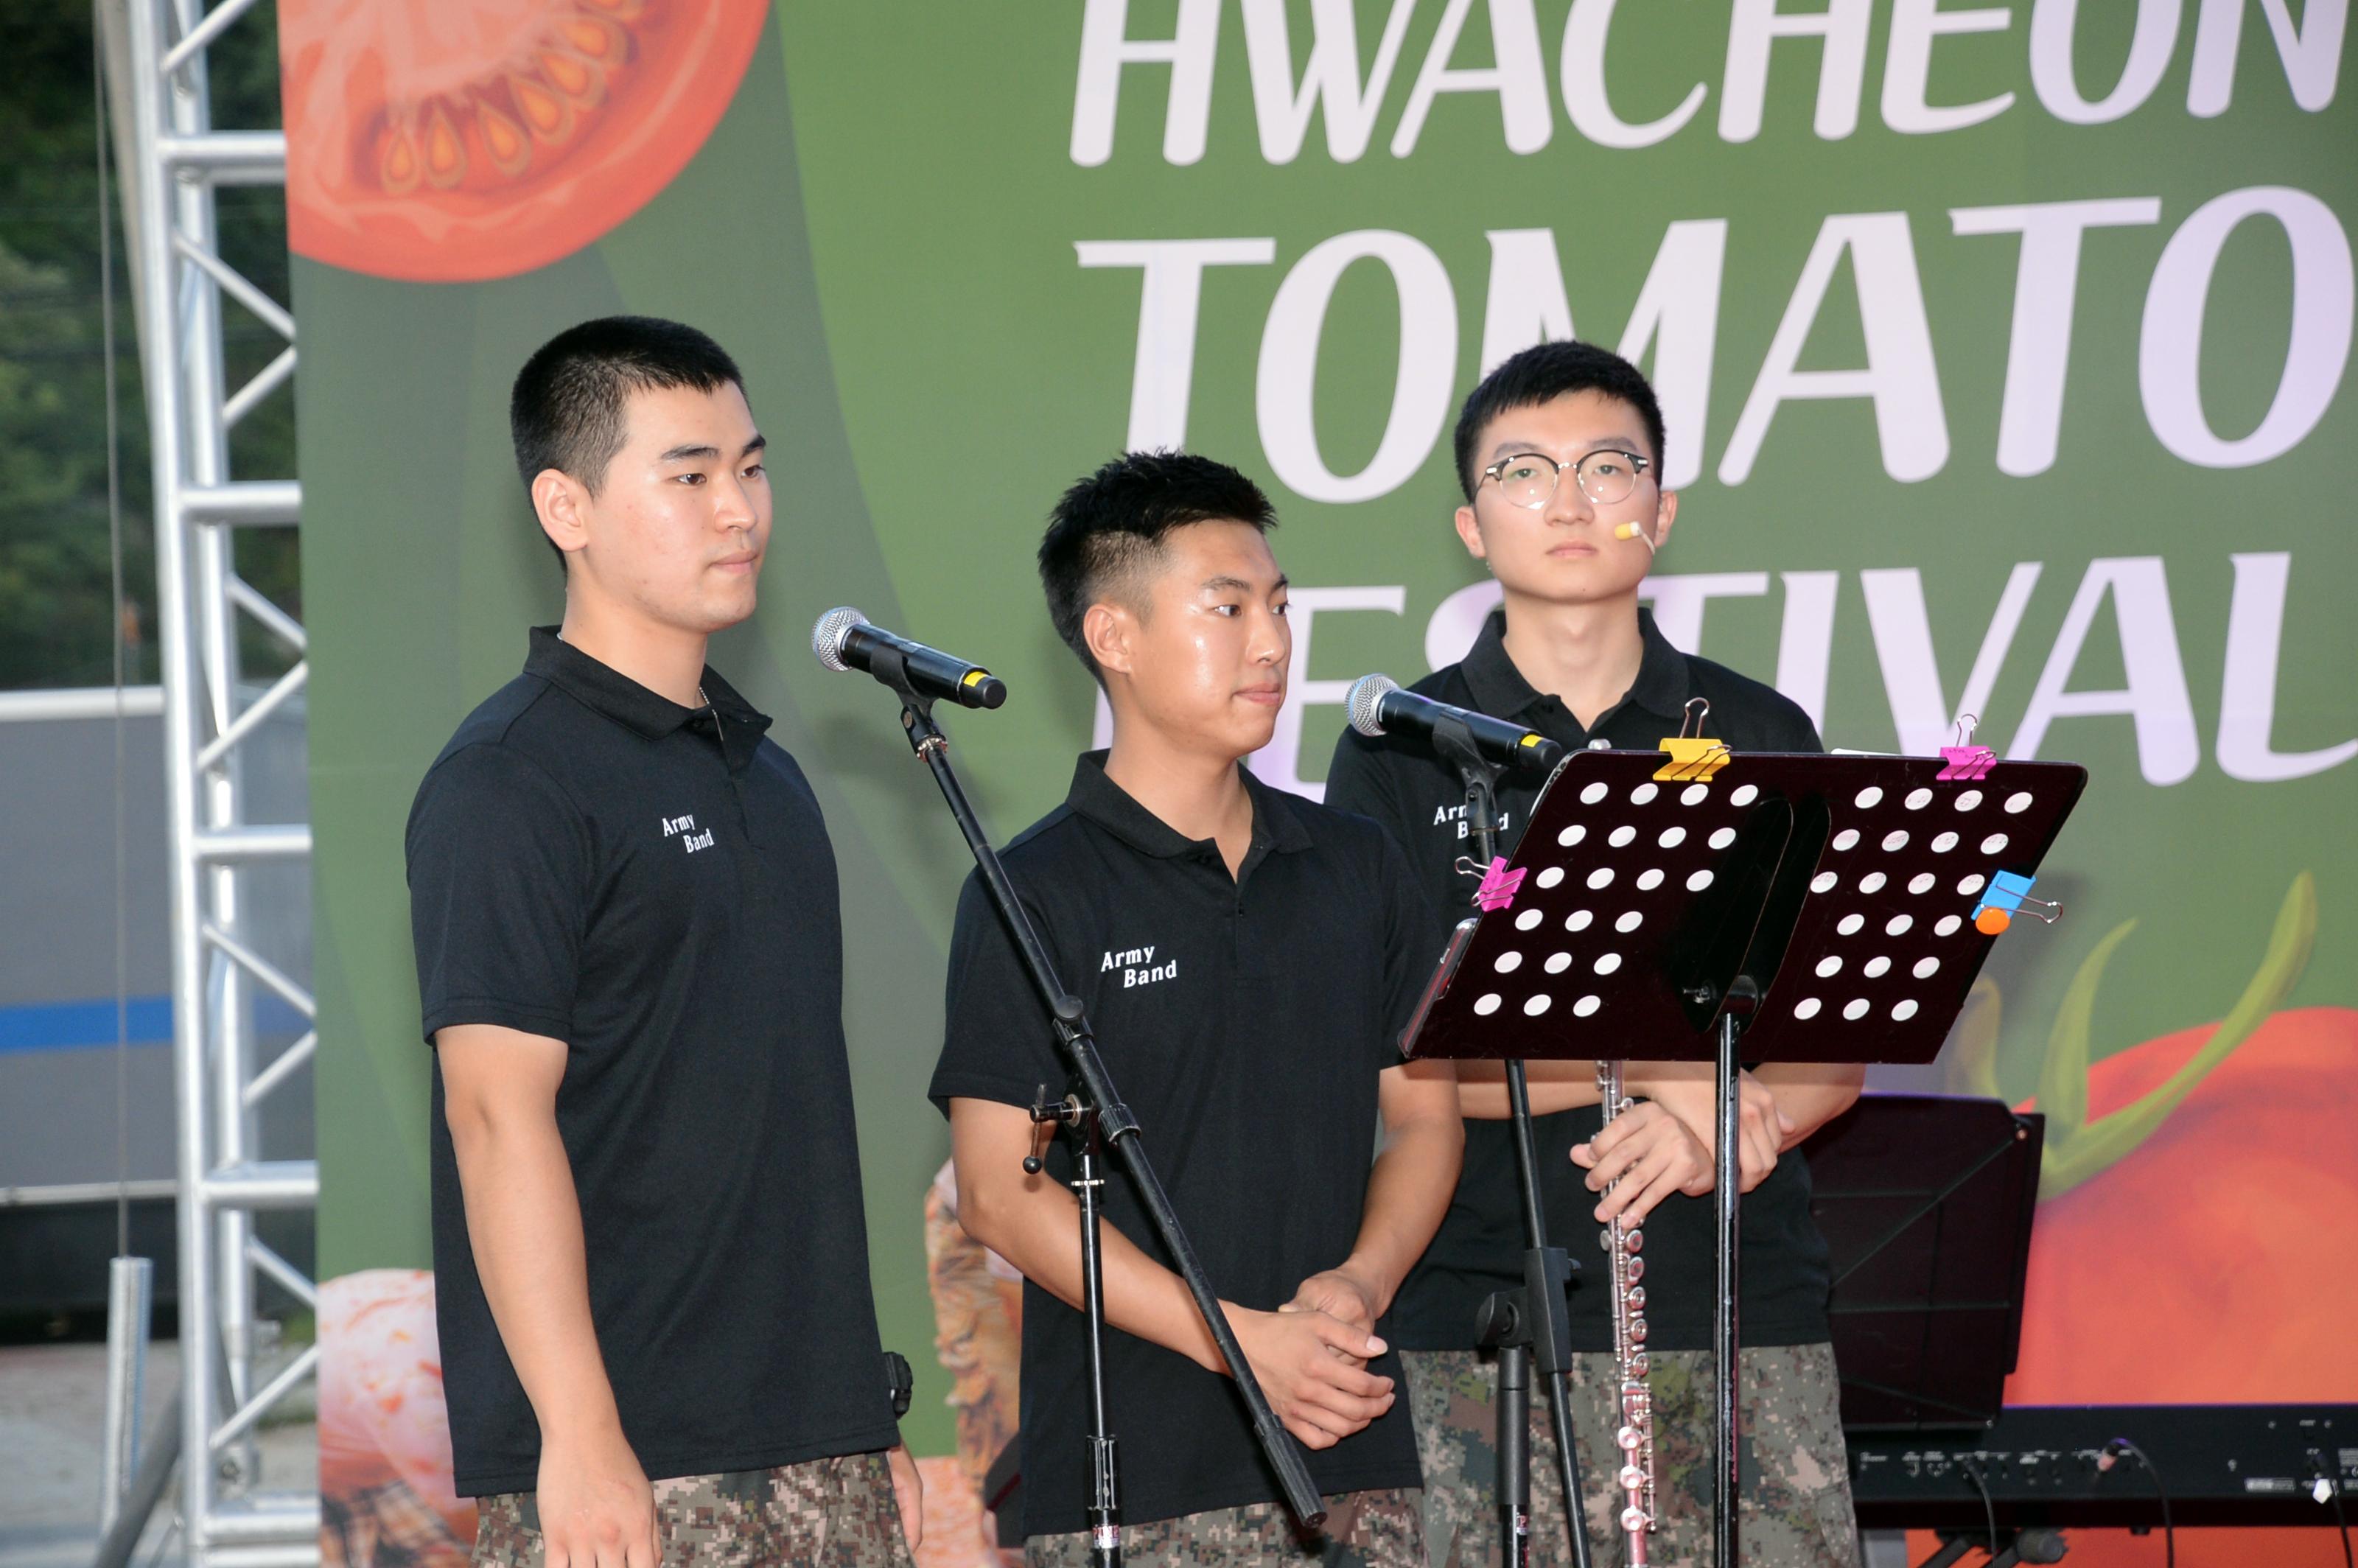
(1795, 1512)
(838, 1513)
(1364, 1530)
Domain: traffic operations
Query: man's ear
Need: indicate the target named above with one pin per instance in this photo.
(1110, 631)
(1666, 511)
(561, 507)
(1469, 532)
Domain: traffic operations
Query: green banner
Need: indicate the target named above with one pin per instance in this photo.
(2003, 349)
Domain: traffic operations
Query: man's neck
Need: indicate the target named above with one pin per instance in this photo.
(665, 660)
(1195, 795)
(1586, 654)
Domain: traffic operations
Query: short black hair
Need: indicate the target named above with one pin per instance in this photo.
(1111, 523)
(1542, 375)
(566, 411)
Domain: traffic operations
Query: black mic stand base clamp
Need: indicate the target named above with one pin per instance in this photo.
(1524, 1339)
(1504, 1326)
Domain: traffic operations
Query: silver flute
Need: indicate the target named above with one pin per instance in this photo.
(1625, 1241)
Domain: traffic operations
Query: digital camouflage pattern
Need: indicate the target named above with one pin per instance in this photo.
(826, 1513)
(1377, 1529)
(1796, 1509)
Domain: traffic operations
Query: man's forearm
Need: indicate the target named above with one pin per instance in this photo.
(1809, 1093)
(1408, 1194)
(1034, 1223)
(1554, 1086)
(523, 1219)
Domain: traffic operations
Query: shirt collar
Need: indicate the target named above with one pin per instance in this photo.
(1499, 690)
(618, 696)
(1662, 686)
(1276, 824)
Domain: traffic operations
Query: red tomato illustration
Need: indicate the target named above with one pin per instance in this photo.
(453, 140)
(2214, 1262)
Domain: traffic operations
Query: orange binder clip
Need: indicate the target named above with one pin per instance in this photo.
(1695, 757)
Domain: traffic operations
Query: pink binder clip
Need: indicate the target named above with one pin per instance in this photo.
(1964, 760)
(1499, 886)
(1966, 763)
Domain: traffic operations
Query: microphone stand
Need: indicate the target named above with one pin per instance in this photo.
(1531, 1325)
(1093, 1115)
(1742, 999)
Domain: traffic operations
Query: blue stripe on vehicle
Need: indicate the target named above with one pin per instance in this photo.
(84, 1025)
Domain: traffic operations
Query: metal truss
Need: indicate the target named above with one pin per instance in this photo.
(178, 161)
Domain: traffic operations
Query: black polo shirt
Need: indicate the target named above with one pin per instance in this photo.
(1244, 1021)
(1400, 783)
(653, 886)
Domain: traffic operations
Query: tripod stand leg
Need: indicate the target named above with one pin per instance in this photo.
(1576, 1510)
(1726, 1436)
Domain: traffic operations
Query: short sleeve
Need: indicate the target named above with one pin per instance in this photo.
(997, 1042)
(499, 875)
(1411, 949)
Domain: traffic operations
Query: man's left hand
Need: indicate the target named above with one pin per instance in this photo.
(909, 1490)
(1651, 1154)
(1339, 1294)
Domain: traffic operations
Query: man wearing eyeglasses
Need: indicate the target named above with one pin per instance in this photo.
(1559, 454)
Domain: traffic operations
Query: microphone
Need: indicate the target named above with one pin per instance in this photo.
(1378, 706)
(844, 640)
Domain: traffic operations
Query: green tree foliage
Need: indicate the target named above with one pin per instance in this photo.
(56, 593)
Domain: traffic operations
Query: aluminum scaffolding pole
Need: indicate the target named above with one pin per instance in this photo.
(179, 159)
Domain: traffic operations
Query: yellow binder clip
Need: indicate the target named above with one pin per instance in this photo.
(1693, 758)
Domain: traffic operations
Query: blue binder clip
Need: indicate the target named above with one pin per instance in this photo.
(2007, 895)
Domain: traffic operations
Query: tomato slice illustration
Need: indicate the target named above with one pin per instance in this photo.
(453, 140)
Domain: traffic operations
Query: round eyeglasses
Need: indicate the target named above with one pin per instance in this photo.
(1529, 479)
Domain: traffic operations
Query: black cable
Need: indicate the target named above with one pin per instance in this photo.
(2120, 1446)
(2332, 1484)
(1989, 1509)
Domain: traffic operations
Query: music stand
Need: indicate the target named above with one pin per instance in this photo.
(1823, 908)
(1925, 1202)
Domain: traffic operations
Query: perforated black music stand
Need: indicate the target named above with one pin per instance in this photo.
(1822, 908)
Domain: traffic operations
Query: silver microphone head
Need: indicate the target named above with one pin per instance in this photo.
(826, 637)
(1367, 703)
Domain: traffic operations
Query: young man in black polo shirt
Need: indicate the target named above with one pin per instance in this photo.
(649, 1252)
(1559, 451)
(1248, 959)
